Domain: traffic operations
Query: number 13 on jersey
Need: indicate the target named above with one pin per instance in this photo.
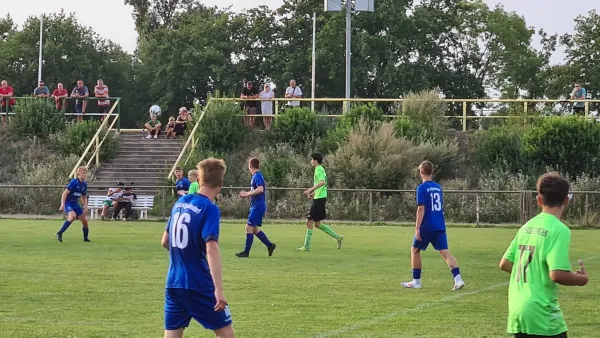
(436, 201)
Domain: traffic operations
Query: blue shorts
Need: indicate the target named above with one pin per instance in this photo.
(255, 217)
(74, 207)
(438, 239)
(181, 305)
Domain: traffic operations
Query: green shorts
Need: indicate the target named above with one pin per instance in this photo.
(108, 203)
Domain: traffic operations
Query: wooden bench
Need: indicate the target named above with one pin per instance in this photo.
(143, 203)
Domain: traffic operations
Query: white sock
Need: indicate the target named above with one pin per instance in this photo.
(417, 281)
(458, 279)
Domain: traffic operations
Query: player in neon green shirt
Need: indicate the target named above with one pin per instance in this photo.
(193, 177)
(538, 260)
(317, 213)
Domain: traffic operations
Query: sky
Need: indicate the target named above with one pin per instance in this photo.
(114, 21)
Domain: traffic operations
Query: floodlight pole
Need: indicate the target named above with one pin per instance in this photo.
(314, 57)
(41, 48)
(348, 49)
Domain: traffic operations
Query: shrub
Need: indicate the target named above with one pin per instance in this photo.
(282, 167)
(500, 147)
(501, 207)
(426, 113)
(370, 114)
(78, 136)
(222, 128)
(443, 155)
(37, 117)
(296, 126)
(566, 144)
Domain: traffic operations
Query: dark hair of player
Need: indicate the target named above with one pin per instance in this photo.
(211, 172)
(317, 157)
(426, 167)
(553, 188)
(254, 163)
(178, 168)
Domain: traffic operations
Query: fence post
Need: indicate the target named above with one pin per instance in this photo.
(477, 209)
(276, 107)
(97, 150)
(464, 122)
(370, 207)
(586, 216)
(587, 110)
(525, 112)
(164, 198)
(119, 115)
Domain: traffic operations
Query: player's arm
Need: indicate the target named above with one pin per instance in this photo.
(164, 241)
(84, 201)
(568, 278)
(506, 265)
(421, 200)
(559, 262)
(213, 256)
(420, 215)
(317, 186)
(63, 198)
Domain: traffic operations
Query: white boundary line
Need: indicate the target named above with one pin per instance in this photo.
(417, 308)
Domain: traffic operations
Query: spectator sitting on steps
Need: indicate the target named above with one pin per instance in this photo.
(171, 128)
(182, 184)
(181, 121)
(112, 199)
(153, 127)
(125, 202)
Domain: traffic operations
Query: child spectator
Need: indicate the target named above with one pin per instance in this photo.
(171, 128)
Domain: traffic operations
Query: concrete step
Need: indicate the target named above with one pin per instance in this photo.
(153, 152)
(158, 146)
(128, 176)
(131, 171)
(143, 160)
(134, 166)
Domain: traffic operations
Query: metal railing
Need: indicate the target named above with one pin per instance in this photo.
(4, 111)
(365, 203)
(466, 104)
(97, 142)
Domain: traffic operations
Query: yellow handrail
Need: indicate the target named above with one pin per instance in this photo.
(190, 139)
(96, 154)
(93, 141)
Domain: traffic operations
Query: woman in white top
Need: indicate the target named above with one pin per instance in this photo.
(266, 105)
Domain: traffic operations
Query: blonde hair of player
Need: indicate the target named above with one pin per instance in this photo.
(82, 171)
(193, 173)
(211, 173)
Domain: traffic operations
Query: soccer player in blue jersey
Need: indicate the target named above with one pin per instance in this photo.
(194, 287)
(182, 184)
(258, 207)
(69, 203)
(430, 228)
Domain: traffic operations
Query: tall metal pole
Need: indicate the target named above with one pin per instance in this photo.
(41, 41)
(348, 47)
(314, 58)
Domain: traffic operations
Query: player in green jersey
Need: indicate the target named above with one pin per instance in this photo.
(538, 260)
(318, 194)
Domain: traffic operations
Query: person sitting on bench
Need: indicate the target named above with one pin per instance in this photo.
(125, 202)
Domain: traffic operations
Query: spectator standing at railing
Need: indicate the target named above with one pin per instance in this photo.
(80, 92)
(249, 92)
(578, 93)
(6, 94)
(291, 92)
(59, 95)
(181, 121)
(266, 105)
(41, 90)
(101, 91)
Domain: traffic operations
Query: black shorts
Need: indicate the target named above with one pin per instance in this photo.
(524, 335)
(317, 210)
(103, 109)
(578, 110)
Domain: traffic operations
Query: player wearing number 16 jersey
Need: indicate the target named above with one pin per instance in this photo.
(194, 287)
(537, 260)
(430, 228)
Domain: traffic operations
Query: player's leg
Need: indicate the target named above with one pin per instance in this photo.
(319, 215)
(201, 306)
(84, 222)
(105, 206)
(308, 236)
(226, 332)
(176, 316)
(415, 260)
(264, 239)
(71, 216)
(249, 239)
(440, 243)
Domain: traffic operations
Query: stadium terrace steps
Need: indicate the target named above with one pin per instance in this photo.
(146, 162)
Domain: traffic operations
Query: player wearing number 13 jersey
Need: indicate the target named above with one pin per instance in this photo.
(430, 228)
(537, 260)
(194, 287)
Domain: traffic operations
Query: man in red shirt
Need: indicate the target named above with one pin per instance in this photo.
(6, 92)
(59, 94)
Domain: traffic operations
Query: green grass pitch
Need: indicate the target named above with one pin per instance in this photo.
(114, 287)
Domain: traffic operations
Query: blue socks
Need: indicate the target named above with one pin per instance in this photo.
(416, 274)
(64, 227)
(86, 231)
(249, 239)
(263, 238)
(455, 271)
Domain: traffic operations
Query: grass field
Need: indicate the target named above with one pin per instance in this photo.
(114, 287)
